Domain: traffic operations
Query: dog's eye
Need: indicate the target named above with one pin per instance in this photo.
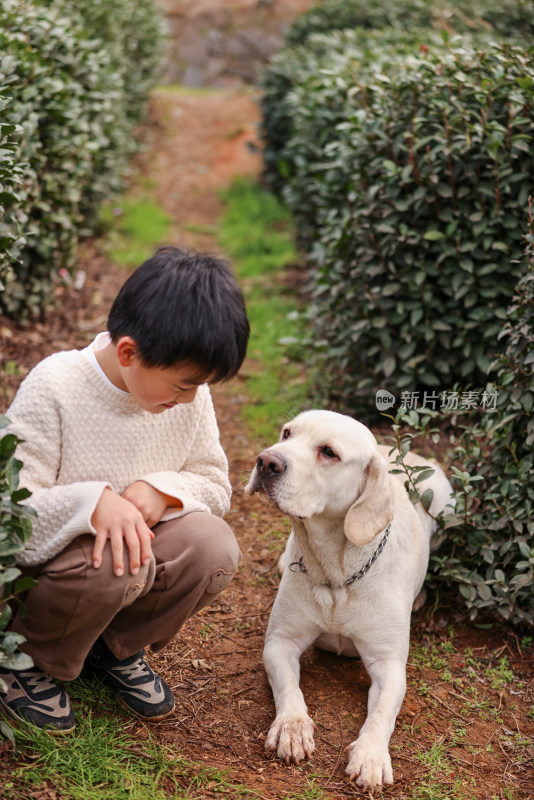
(328, 452)
(286, 433)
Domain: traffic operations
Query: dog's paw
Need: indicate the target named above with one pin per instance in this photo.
(369, 764)
(291, 738)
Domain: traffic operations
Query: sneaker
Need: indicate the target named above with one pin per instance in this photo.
(33, 696)
(138, 688)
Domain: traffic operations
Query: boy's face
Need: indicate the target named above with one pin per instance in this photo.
(157, 389)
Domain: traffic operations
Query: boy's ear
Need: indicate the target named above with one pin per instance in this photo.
(126, 350)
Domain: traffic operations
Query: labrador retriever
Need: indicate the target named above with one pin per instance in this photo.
(351, 572)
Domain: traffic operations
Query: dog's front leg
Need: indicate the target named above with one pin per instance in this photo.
(369, 761)
(291, 734)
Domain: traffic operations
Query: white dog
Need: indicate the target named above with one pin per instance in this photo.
(352, 570)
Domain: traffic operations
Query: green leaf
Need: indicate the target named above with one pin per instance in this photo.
(468, 592)
(526, 550)
(390, 167)
(426, 499)
(24, 584)
(5, 729)
(414, 496)
(522, 581)
(17, 661)
(10, 548)
(424, 474)
(10, 642)
(5, 617)
(8, 445)
(12, 471)
(484, 591)
(9, 575)
(389, 365)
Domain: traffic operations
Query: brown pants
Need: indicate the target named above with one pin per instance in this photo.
(194, 558)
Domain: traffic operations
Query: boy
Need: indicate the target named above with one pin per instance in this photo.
(122, 455)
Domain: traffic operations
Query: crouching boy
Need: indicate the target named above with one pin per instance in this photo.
(122, 455)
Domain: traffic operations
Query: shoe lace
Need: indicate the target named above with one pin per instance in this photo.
(133, 671)
(39, 681)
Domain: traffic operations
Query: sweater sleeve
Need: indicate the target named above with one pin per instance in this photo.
(202, 483)
(63, 511)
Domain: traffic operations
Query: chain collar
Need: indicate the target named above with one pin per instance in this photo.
(299, 566)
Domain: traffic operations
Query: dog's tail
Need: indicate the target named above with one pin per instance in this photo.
(442, 503)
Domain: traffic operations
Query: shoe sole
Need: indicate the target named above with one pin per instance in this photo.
(22, 721)
(130, 710)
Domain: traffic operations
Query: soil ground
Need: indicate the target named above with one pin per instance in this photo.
(464, 730)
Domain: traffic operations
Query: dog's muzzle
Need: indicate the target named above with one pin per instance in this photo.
(270, 466)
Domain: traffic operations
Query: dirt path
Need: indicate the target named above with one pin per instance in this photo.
(463, 716)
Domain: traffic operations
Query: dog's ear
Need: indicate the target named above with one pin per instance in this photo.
(373, 510)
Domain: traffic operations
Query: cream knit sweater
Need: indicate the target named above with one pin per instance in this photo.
(81, 434)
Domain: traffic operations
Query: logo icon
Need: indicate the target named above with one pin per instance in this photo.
(384, 400)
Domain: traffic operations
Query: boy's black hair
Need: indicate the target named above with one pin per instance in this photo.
(184, 307)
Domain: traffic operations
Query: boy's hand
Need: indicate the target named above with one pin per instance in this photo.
(122, 523)
(149, 501)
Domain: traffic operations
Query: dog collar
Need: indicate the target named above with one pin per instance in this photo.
(299, 566)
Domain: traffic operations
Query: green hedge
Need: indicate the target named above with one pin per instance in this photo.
(490, 556)
(486, 542)
(408, 170)
(11, 178)
(74, 79)
(407, 159)
(509, 18)
(15, 530)
(309, 90)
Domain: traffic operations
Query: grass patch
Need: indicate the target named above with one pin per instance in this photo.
(442, 781)
(179, 88)
(256, 230)
(312, 792)
(135, 229)
(256, 234)
(474, 689)
(101, 761)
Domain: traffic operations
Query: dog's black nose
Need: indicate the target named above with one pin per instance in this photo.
(270, 464)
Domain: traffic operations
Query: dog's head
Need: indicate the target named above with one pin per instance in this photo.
(327, 465)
